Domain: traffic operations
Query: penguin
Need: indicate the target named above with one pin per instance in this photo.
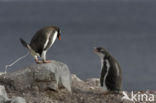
(41, 42)
(111, 74)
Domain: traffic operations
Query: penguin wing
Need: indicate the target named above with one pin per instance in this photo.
(114, 77)
(111, 80)
(38, 41)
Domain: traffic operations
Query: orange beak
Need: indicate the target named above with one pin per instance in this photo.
(95, 50)
(59, 37)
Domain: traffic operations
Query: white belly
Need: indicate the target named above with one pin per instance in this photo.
(53, 40)
(104, 87)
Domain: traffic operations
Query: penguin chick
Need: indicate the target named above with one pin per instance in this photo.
(41, 42)
(111, 74)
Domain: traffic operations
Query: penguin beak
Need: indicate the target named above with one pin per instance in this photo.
(95, 50)
(59, 37)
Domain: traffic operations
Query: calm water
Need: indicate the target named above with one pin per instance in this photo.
(126, 29)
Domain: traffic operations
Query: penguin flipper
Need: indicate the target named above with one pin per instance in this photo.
(24, 43)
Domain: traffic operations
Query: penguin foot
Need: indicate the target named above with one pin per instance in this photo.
(46, 61)
(38, 62)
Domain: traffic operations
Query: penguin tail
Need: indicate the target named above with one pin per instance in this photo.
(24, 43)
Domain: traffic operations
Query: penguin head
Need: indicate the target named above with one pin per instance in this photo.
(102, 52)
(59, 32)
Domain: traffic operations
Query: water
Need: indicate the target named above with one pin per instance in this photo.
(126, 29)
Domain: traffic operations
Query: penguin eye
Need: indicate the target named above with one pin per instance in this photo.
(99, 49)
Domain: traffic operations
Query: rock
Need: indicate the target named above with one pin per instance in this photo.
(75, 78)
(18, 100)
(38, 83)
(38, 77)
(88, 85)
(93, 82)
(2, 99)
(3, 94)
(78, 83)
(1, 73)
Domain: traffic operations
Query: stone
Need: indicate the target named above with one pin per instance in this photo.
(50, 76)
(18, 100)
(2, 73)
(2, 99)
(3, 94)
(93, 82)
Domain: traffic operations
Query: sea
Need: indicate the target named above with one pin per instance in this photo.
(127, 29)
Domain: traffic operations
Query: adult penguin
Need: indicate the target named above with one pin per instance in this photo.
(41, 42)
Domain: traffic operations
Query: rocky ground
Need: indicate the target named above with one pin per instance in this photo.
(23, 83)
(82, 92)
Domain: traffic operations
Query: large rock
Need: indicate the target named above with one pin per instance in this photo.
(3, 95)
(38, 77)
(37, 84)
(2, 99)
(3, 92)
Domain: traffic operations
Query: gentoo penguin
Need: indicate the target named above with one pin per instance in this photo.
(41, 42)
(111, 74)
